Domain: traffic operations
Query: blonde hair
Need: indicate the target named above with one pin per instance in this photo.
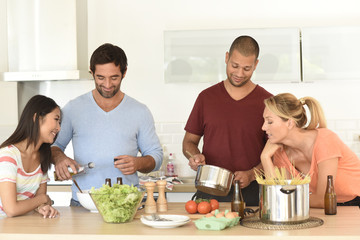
(287, 106)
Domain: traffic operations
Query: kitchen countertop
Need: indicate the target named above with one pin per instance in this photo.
(78, 223)
(187, 186)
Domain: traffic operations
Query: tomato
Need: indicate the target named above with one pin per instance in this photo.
(214, 204)
(204, 207)
(191, 206)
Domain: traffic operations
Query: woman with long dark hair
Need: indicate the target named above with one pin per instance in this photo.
(25, 158)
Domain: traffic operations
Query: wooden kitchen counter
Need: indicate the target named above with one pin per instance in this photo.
(78, 223)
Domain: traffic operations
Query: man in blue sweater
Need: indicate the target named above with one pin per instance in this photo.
(107, 127)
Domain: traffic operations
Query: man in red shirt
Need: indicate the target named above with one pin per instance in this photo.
(228, 115)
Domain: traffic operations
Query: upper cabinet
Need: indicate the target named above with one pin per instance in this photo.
(41, 35)
(199, 56)
(43, 40)
(330, 53)
(286, 54)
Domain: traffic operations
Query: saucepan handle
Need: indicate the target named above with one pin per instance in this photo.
(287, 191)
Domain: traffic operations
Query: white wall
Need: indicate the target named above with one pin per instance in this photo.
(137, 26)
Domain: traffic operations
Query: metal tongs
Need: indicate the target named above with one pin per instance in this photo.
(155, 217)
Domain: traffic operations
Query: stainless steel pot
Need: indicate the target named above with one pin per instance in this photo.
(213, 180)
(284, 203)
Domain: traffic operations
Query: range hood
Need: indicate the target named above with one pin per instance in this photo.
(46, 40)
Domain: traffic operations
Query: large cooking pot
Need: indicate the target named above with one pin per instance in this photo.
(213, 180)
(284, 204)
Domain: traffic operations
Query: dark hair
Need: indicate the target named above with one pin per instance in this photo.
(29, 127)
(108, 53)
(246, 45)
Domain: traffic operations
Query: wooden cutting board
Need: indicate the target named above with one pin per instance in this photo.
(179, 209)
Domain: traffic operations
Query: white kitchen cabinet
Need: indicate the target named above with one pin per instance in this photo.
(61, 199)
(31, 46)
(8, 109)
(330, 53)
(199, 55)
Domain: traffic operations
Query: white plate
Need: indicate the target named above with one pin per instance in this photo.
(176, 221)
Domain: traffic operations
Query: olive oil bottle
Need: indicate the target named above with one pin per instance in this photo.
(237, 203)
(82, 169)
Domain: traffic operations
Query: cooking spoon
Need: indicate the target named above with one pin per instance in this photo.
(77, 185)
(189, 153)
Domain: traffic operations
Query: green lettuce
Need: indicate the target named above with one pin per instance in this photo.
(117, 204)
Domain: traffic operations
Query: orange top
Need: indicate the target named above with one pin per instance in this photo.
(327, 146)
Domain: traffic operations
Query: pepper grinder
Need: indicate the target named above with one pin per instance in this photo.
(150, 205)
(161, 202)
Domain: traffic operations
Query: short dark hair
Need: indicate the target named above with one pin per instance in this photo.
(29, 128)
(246, 45)
(109, 53)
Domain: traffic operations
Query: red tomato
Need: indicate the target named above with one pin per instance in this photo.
(191, 206)
(204, 207)
(214, 204)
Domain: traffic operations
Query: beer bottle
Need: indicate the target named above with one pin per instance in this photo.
(108, 181)
(237, 204)
(330, 203)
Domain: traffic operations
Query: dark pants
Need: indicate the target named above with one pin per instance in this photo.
(250, 194)
(74, 203)
(354, 202)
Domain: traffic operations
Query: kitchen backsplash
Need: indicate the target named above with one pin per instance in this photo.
(172, 134)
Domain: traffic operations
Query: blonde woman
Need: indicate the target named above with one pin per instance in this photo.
(303, 144)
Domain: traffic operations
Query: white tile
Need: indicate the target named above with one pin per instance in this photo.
(346, 124)
(176, 149)
(354, 136)
(355, 146)
(171, 135)
(178, 138)
(343, 135)
(172, 127)
(165, 138)
(158, 128)
(331, 124)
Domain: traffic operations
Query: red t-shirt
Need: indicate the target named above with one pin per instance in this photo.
(231, 129)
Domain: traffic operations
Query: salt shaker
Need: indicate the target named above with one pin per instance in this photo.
(161, 202)
(150, 204)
